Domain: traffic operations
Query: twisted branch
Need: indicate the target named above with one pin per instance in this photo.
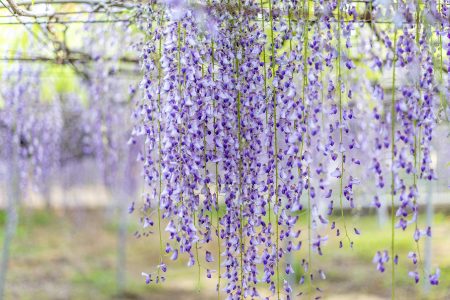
(27, 13)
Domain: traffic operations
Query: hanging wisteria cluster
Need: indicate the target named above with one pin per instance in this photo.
(108, 100)
(30, 128)
(262, 118)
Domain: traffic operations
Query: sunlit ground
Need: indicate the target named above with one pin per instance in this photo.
(72, 255)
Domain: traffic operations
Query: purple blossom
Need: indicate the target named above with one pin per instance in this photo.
(434, 278)
(415, 276)
(209, 257)
(381, 258)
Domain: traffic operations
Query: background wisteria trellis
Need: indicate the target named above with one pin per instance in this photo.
(260, 119)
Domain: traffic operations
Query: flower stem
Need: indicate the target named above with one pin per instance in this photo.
(441, 61)
(275, 147)
(416, 148)
(159, 146)
(339, 89)
(265, 92)
(305, 83)
(241, 219)
(197, 257)
(264, 61)
(216, 174)
(290, 30)
(305, 53)
(392, 167)
(241, 236)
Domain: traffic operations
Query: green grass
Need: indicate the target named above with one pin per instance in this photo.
(99, 279)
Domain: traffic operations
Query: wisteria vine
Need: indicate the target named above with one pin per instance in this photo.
(257, 115)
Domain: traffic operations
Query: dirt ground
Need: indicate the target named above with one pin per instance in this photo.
(72, 255)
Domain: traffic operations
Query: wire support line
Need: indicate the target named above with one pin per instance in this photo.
(89, 2)
(106, 13)
(365, 21)
(68, 22)
(66, 59)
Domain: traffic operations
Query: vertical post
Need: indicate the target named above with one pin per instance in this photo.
(126, 188)
(121, 243)
(382, 213)
(12, 198)
(46, 194)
